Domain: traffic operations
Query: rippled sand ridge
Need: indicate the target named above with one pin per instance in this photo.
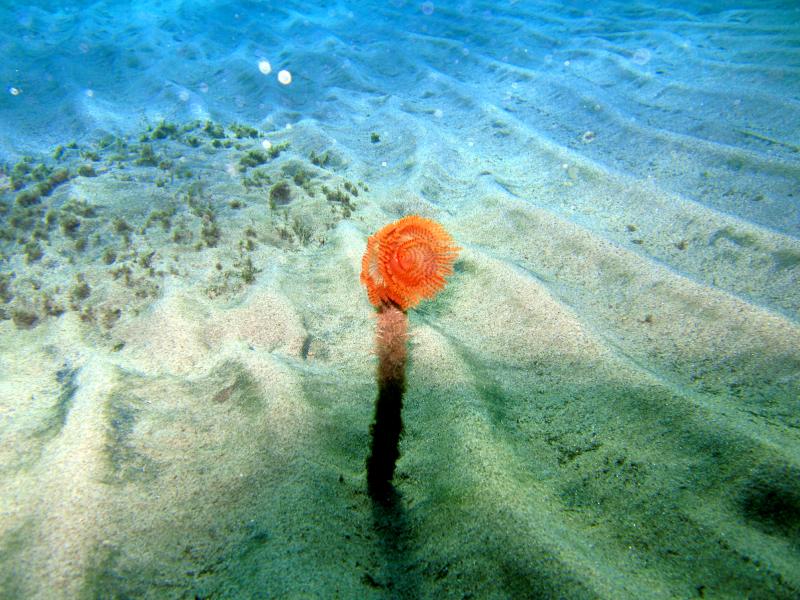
(604, 402)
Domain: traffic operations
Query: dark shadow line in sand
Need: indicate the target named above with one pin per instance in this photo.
(389, 518)
(395, 537)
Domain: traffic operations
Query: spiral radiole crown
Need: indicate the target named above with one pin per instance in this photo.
(407, 261)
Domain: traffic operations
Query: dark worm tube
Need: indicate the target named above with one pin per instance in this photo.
(387, 425)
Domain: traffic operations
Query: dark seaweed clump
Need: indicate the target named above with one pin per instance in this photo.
(59, 252)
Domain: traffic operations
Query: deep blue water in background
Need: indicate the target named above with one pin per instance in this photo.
(142, 59)
(679, 82)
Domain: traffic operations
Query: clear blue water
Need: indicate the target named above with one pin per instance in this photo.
(632, 166)
(667, 90)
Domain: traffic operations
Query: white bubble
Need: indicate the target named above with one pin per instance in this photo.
(384, 163)
(266, 144)
(284, 77)
(203, 87)
(427, 8)
(438, 113)
(89, 93)
(264, 67)
(14, 91)
(184, 96)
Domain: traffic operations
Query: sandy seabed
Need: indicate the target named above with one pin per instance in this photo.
(604, 402)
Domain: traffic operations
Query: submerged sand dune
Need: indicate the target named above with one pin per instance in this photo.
(604, 402)
(580, 421)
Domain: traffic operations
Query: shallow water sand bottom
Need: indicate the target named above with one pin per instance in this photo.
(603, 402)
(580, 421)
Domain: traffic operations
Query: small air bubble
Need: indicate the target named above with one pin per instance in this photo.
(264, 67)
(14, 91)
(285, 77)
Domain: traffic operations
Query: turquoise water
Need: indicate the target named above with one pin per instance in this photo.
(603, 403)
